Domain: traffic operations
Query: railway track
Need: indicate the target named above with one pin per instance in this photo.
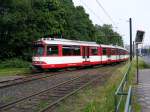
(52, 95)
(27, 91)
(8, 83)
(17, 90)
(37, 76)
(51, 105)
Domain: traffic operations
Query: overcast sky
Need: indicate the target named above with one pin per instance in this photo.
(120, 12)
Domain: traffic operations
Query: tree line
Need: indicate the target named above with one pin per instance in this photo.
(24, 21)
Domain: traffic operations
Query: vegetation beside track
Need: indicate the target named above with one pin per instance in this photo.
(14, 66)
(101, 98)
(24, 21)
(13, 71)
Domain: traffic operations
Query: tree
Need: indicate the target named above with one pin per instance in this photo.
(23, 21)
(106, 35)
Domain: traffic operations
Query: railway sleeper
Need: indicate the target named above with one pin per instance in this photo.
(63, 89)
(57, 95)
(61, 92)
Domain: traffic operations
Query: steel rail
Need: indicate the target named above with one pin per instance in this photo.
(69, 94)
(24, 80)
(35, 94)
(31, 78)
(38, 93)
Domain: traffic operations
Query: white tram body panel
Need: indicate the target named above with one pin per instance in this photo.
(60, 53)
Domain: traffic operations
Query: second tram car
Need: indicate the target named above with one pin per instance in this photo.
(52, 53)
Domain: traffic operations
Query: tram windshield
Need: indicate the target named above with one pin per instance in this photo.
(38, 50)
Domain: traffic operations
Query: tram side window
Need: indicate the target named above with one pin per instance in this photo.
(71, 50)
(117, 51)
(113, 51)
(52, 50)
(67, 51)
(94, 51)
(104, 51)
(121, 52)
(76, 50)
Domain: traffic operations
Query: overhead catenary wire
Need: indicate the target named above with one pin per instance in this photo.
(106, 13)
(96, 15)
(101, 21)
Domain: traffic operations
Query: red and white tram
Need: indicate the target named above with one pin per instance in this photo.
(60, 53)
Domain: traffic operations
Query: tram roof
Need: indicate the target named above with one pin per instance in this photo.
(76, 42)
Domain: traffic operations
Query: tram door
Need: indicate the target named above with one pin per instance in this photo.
(86, 53)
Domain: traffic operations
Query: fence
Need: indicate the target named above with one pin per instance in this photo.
(120, 92)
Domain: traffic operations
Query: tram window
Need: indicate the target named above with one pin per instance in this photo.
(117, 51)
(121, 52)
(67, 50)
(76, 50)
(124, 52)
(113, 51)
(71, 50)
(52, 50)
(38, 50)
(94, 51)
(104, 51)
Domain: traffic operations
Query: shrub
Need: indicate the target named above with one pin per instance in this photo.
(14, 63)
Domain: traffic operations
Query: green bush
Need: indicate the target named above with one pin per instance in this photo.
(14, 63)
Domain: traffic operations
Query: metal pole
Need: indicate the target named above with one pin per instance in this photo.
(130, 24)
(133, 49)
(137, 66)
(116, 103)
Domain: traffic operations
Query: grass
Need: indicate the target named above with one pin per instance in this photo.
(101, 98)
(14, 63)
(146, 65)
(13, 71)
(14, 66)
(41, 105)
